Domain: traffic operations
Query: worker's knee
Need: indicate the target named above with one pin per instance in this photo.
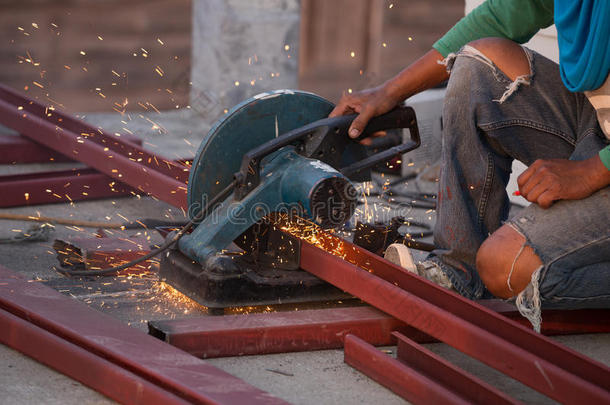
(505, 263)
(508, 56)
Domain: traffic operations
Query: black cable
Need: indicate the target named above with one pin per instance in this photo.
(165, 246)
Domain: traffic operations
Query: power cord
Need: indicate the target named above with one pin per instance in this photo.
(165, 246)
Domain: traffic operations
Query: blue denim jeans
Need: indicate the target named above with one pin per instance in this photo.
(490, 120)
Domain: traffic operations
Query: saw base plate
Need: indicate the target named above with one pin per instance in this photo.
(248, 286)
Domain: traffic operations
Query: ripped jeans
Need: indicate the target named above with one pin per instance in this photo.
(490, 120)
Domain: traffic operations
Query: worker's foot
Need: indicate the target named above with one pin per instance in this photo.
(432, 272)
(399, 254)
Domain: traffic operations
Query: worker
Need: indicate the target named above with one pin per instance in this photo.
(504, 102)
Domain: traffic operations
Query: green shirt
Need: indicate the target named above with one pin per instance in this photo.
(517, 20)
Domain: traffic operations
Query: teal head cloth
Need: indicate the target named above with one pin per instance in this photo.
(583, 28)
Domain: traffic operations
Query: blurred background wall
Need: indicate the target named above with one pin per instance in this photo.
(136, 55)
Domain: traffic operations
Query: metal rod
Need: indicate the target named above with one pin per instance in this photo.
(59, 187)
(17, 149)
(279, 332)
(322, 329)
(450, 376)
(80, 364)
(165, 366)
(538, 362)
(396, 376)
(108, 154)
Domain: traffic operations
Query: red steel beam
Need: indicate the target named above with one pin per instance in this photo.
(279, 332)
(17, 149)
(59, 187)
(109, 154)
(396, 376)
(165, 366)
(81, 365)
(322, 329)
(443, 372)
(535, 360)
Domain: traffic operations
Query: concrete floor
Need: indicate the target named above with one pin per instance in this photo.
(315, 377)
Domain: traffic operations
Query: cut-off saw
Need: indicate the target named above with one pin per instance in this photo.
(274, 154)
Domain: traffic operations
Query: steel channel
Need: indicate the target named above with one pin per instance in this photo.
(17, 149)
(124, 144)
(476, 314)
(81, 365)
(322, 329)
(64, 186)
(279, 332)
(161, 364)
(405, 381)
(118, 159)
(566, 376)
(448, 375)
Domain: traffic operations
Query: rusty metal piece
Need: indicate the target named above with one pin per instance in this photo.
(102, 253)
(538, 362)
(165, 366)
(279, 332)
(59, 187)
(77, 363)
(111, 155)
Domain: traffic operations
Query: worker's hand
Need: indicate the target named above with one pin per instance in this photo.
(367, 104)
(546, 181)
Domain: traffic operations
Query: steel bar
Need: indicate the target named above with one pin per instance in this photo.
(59, 187)
(322, 329)
(165, 366)
(109, 154)
(17, 149)
(81, 365)
(450, 376)
(396, 376)
(535, 360)
(279, 332)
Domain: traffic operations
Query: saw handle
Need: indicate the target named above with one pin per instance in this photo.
(248, 176)
(399, 117)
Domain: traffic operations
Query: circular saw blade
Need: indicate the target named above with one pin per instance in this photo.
(246, 126)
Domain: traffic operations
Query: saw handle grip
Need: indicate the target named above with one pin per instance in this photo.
(401, 117)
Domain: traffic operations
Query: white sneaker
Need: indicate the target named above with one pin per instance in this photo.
(400, 255)
(432, 272)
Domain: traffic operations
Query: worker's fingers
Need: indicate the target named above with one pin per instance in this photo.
(529, 172)
(546, 199)
(526, 189)
(346, 105)
(360, 122)
(535, 192)
(340, 109)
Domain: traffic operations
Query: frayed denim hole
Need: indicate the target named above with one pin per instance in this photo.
(528, 301)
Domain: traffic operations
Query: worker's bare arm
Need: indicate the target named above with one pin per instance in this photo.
(546, 181)
(422, 74)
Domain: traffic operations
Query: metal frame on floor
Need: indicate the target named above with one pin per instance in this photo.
(116, 351)
(420, 376)
(109, 154)
(518, 352)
